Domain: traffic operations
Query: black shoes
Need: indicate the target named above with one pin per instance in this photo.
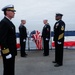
(24, 55)
(45, 54)
(53, 61)
(57, 65)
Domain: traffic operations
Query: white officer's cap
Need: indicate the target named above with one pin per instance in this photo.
(9, 8)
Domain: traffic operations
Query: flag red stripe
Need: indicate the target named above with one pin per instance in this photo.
(69, 43)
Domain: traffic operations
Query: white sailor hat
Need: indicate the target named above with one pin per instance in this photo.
(9, 8)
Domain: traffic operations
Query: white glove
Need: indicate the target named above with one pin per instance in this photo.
(47, 39)
(59, 42)
(9, 56)
(24, 40)
(32, 39)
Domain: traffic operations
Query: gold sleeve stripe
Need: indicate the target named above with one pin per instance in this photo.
(5, 51)
(60, 36)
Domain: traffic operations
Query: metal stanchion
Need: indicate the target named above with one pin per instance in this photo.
(28, 44)
(28, 40)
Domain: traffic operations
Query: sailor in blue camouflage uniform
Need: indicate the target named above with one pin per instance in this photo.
(59, 29)
(8, 40)
(46, 37)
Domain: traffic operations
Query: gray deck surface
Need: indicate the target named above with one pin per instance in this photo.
(37, 64)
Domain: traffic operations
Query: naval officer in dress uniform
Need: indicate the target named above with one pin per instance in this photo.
(46, 37)
(8, 40)
(59, 29)
(23, 37)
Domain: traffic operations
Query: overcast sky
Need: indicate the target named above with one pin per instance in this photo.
(35, 11)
